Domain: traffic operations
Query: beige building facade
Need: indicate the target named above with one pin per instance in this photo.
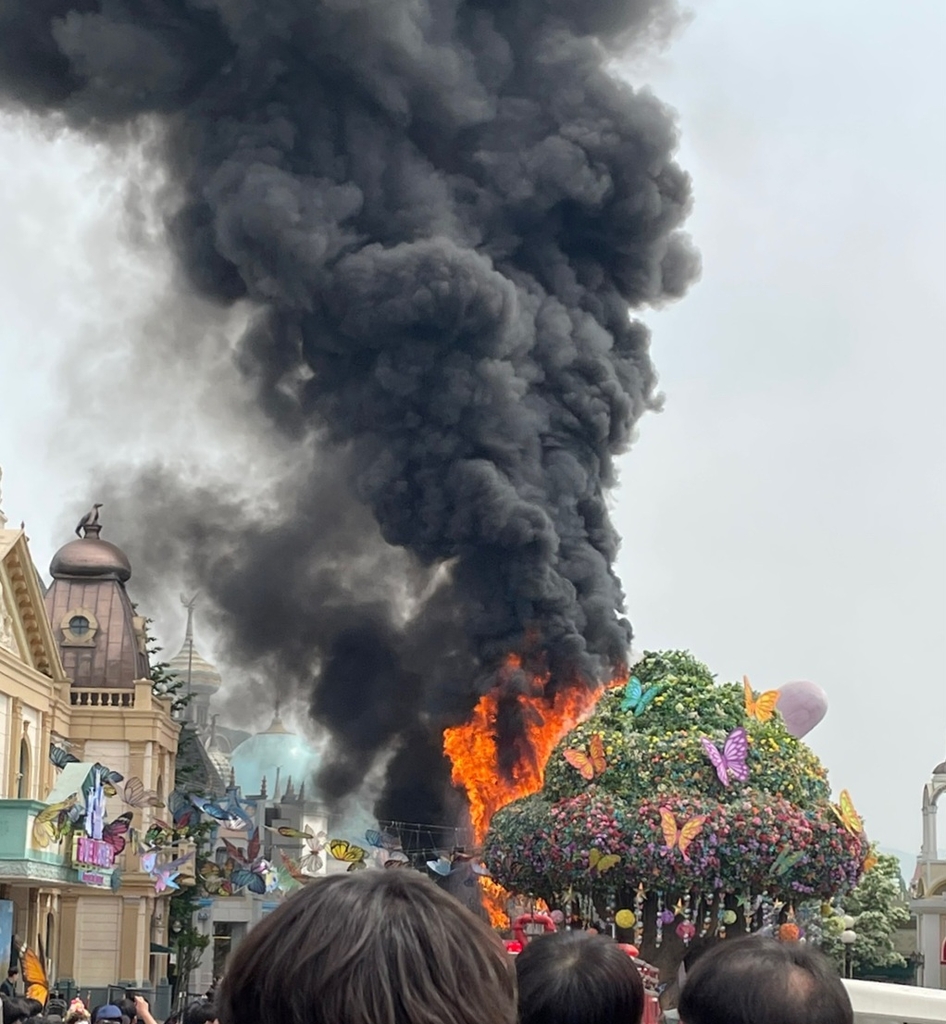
(74, 676)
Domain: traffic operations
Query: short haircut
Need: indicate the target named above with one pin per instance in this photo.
(15, 1010)
(199, 1013)
(13, 970)
(757, 980)
(578, 978)
(372, 947)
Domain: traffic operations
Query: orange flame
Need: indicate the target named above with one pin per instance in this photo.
(472, 747)
(495, 901)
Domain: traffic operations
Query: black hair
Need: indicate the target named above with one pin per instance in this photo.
(128, 1008)
(35, 1006)
(578, 978)
(199, 1013)
(13, 970)
(15, 1010)
(757, 980)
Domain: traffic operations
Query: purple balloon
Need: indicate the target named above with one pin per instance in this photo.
(802, 705)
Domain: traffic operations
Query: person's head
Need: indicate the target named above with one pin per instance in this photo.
(13, 973)
(16, 1010)
(128, 1008)
(372, 947)
(108, 1012)
(758, 980)
(35, 1006)
(578, 978)
(199, 1013)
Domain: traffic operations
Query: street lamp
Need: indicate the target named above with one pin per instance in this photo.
(848, 937)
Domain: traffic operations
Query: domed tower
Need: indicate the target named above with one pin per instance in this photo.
(276, 755)
(201, 679)
(101, 639)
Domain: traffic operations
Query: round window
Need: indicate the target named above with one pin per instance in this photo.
(79, 625)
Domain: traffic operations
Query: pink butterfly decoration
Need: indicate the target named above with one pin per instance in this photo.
(731, 762)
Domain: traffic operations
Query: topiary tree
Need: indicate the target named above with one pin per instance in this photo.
(635, 822)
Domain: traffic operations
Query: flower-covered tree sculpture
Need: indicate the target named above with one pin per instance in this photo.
(681, 809)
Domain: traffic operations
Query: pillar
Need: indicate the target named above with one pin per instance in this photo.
(68, 907)
(135, 945)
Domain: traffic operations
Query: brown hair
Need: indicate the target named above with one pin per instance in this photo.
(377, 947)
(578, 978)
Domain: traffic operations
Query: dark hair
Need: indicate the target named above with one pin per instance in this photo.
(128, 1008)
(15, 1010)
(376, 947)
(578, 978)
(756, 980)
(13, 970)
(199, 1013)
(35, 1006)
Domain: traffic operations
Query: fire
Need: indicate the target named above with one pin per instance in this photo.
(495, 901)
(474, 753)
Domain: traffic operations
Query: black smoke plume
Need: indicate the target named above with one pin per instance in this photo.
(439, 212)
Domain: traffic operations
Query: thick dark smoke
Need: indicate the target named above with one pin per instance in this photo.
(440, 211)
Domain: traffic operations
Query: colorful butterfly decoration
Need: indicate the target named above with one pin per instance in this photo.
(591, 764)
(108, 778)
(786, 860)
(115, 833)
(387, 847)
(679, 837)
(231, 816)
(846, 814)
(870, 861)
(260, 878)
(442, 866)
(164, 876)
(51, 824)
(216, 879)
(34, 975)
(293, 869)
(183, 813)
(311, 861)
(601, 862)
(761, 708)
(135, 794)
(348, 853)
(730, 762)
(636, 698)
(60, 757)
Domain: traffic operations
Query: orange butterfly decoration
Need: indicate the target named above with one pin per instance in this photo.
(680, 836)
(34, 976)
(846, 814)
(870, 861)
(590, 764)
(761, 708)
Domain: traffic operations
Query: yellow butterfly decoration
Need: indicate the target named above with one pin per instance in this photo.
(761, 708)
(353, 856)
(601, 862)
(870, 861)
(846, 814)
(50, 822)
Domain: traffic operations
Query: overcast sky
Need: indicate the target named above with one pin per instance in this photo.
(784, 516)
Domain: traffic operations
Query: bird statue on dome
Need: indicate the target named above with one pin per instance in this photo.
(91, 518)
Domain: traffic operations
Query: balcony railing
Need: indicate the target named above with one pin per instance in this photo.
(100, 698)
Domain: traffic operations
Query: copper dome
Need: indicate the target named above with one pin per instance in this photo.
(90, 557)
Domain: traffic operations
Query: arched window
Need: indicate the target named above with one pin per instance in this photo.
(23, 780)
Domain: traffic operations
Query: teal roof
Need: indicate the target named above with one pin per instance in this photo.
(276, 749)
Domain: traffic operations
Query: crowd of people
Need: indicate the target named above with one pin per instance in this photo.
(393, 948)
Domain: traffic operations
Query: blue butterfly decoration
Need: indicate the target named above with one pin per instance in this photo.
(636, 698)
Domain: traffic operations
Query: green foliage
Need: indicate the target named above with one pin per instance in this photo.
(164, 682)
(879, 907)
(188, 943)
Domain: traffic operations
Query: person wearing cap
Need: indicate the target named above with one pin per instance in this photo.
(107, 1012)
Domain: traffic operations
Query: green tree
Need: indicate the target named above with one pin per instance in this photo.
(879, 907)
